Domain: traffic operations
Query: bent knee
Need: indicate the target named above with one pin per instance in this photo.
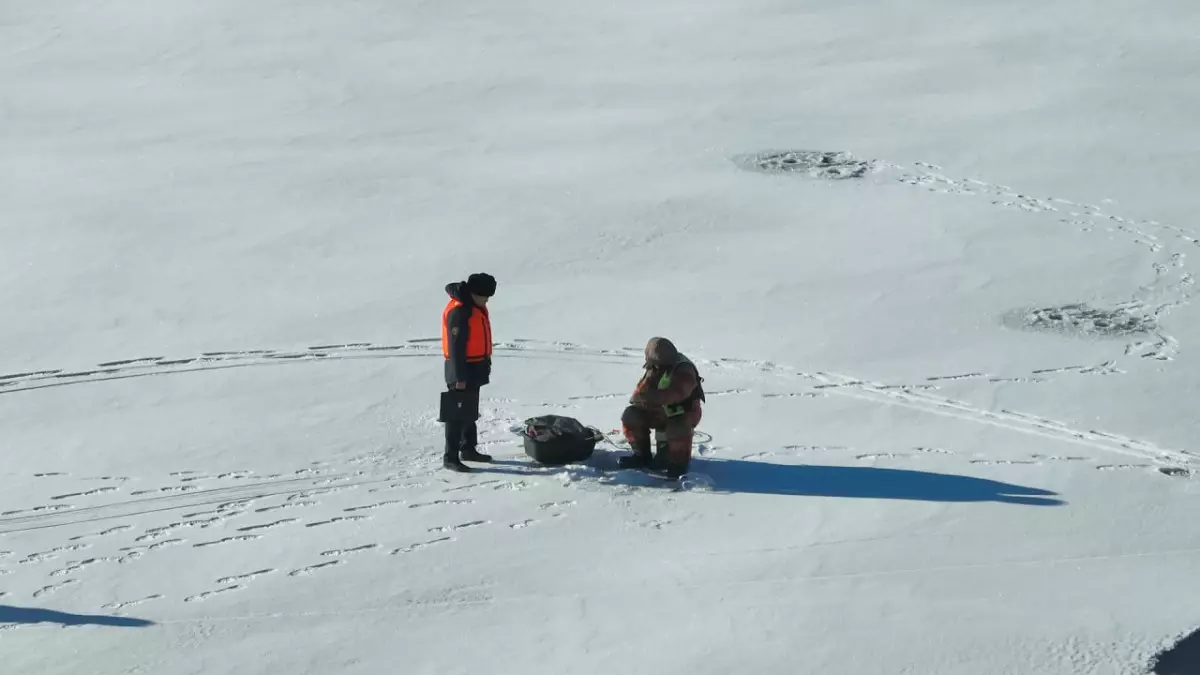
(635, 417)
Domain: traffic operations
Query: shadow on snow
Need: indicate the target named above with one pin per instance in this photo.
(734, 476)
(864, 482)
(1182, 658)
(31, 615)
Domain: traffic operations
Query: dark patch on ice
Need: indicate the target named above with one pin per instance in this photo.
(10, 615)
(862, 482)
(1183, 658)
(832, 165)
(732, 476)
(1080, 320)
(1176, 471)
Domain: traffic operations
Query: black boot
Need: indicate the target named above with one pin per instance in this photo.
(455, 432)
(640, 459)
(453, 463)
(473, 455)
(674, 470)
(470, 438)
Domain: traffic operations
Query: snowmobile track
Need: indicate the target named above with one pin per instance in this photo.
(1009, 419)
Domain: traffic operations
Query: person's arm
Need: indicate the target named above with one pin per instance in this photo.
(683, 382)
(639, 391)
(459, 325)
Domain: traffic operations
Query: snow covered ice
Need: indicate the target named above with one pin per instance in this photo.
(935, 261)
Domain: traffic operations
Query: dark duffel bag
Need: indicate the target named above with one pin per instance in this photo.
(557, 440)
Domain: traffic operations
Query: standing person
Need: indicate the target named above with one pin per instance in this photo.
(467, 348)
(667, 397)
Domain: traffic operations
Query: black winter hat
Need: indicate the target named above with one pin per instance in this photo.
(482, 284)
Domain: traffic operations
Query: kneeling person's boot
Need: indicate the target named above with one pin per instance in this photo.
(640, 459)
(675, 469)
(677, 455)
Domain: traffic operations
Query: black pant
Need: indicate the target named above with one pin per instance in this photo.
(462, 435)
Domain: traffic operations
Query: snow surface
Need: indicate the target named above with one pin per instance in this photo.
(226, 227)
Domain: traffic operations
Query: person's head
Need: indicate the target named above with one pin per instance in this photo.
(481, 286)
(661, 353)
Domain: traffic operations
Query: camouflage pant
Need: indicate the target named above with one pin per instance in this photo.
(637, 423)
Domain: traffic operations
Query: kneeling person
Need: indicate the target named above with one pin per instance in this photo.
(667, 398)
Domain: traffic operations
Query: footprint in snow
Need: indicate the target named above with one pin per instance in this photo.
(208, 594)
(134, 552)
(420, 545)
(338, 519)
(39, 509)
(117, 606)
(47, 590)
(461, 526)
(346, 551)
(374, 506)
(76, 566)
(245, 577)
(228, 540)
(89, 493)
(442, 502)
(170, 489)
(33, 558)
(313, 568)
(287, 505)
(267, 526)
(103, 533)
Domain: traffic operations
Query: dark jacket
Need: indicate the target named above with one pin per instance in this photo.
(458, 369)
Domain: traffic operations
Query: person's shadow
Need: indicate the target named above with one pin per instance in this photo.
(32, 615)
(811, 480)
(863, 482)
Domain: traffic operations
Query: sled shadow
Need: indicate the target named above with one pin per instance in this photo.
(863, 482)
(31, 615)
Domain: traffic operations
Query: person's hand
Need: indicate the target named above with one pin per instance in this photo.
(460, 385)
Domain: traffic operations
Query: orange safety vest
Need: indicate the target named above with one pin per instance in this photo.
(479, 333)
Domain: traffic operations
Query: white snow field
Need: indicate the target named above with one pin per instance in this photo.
(951, 425)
